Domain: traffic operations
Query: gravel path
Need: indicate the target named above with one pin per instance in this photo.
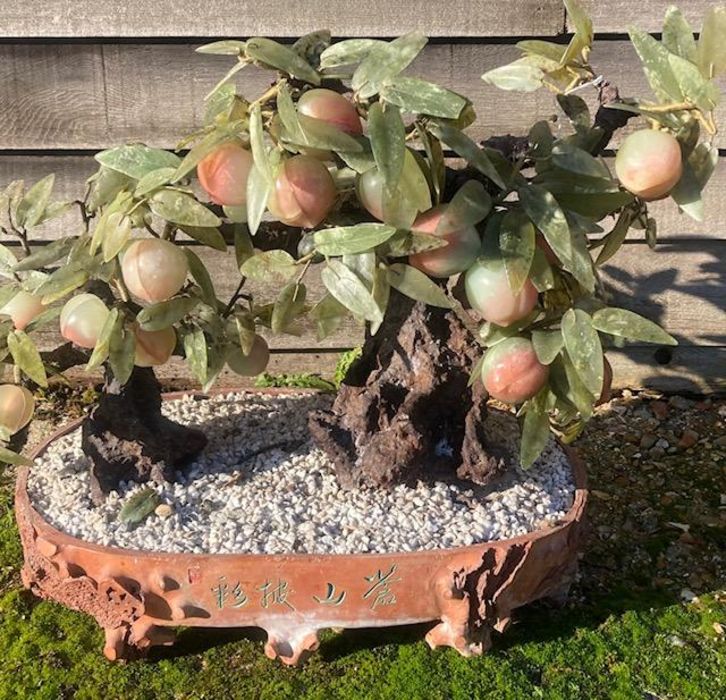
(262, 487)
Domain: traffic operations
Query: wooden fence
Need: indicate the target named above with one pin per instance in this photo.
(77, 76)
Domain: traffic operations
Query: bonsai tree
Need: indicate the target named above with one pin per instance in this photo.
(475, 275)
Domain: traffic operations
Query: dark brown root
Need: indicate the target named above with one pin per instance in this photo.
(127, 438)
(404, 411)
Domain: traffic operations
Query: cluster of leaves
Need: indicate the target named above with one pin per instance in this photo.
(556, 190)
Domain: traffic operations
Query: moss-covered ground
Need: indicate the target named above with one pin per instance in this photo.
(656, 539)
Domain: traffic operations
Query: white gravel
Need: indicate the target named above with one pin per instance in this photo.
(262, 487)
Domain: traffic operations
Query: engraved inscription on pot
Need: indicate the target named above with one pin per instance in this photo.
(380, 592)
(232, 596)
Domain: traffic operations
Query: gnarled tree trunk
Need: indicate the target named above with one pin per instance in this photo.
(404, 411)
(127, 438)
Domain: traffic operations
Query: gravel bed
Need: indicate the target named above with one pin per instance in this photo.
(260, 486)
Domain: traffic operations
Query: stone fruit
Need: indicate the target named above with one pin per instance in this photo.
(22, 309)
(489, 293)
(370, 192)
(223, 174)
(153, 269)
(511, 371)
(154, 347)
(331, 107)
(648, 163)
(252, 364)
(464, 245)
(82, 319)
(304, 192)
(16, 407)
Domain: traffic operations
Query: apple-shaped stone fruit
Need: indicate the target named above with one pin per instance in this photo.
(223, 174)
(252, 364)
(22, 309)
(154, 348)
(369, 189)
(648, 163)
(511, 371)
(82, 319)
(16, 407)
(331, 107)
(154, 270)
(464, 245)
(304, 192)
(488, 291)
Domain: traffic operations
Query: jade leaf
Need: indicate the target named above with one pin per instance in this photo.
(181, 208)
(137, 160)
(583, 348)
(416, 285)
(342, 240)
(626, 324)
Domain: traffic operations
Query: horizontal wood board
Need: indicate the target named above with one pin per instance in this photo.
(91, 96)
(162, 18)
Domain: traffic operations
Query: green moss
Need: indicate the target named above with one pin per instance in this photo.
(346, 360)
(304, 380)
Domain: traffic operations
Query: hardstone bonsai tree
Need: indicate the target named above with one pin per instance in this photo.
(475, 276)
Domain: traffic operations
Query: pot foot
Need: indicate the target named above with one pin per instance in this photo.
(459, 637)
(294, 649)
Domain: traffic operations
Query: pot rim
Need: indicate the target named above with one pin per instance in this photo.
(48, 531)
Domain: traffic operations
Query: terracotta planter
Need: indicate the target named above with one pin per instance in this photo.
(138, 597)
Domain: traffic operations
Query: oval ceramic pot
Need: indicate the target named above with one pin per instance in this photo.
(138, 597)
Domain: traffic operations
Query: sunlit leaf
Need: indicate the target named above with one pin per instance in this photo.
(422, 97)
(626, 324)
(535, 430)
(228, 47)
(386, 61)
(32, 206)
(165, 313)
(546, 214)
(140, 506)
(283, 58)
(678, 36)
(583, 348)
(112, 325)
(348, 52)
(416, 285)
(328, 314)
(467, 149)
(547, 345)
(656, 65)
(289, 304)
(518, 76)
(687, 194)
(270, 265)
(351, 239)
(258, 192)
(208, 236)
(195, 352)
(350, 291)
(46, 255)
(26, 357)
(469, 206)
(137, 160)
(388, 141)
(711, 43)
(516, 243)
(201, 276)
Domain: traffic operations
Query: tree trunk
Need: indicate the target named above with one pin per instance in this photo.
(127, 438)
(404, 411)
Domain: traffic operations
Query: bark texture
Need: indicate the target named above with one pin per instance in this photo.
(404, 411)
(126, 437)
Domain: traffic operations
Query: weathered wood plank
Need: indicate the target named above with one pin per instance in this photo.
(140, 18)
(689, 369)
(614, 16)
(72, 172)
(681, 285)
(91, 96)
